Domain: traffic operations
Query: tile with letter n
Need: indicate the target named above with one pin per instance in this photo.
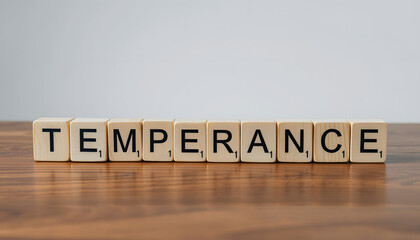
(88, 140)
(223, 141)
(190, 141)
(331, 141)
(51, 139)
(124, 139)
(158, 140)
(368, 141)
(258, 141)
(294, 142)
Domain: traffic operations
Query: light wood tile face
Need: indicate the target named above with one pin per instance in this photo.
(223, 141)
(88, 140)
(331, 141)
(124, 140)
(368, 141)
(294, 143)
(158, 137)
(258, 141)
(51, 139)
(190, 141)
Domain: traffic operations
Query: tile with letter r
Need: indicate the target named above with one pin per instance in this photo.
(223, 141)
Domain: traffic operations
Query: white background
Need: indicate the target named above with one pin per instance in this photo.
(210, 59)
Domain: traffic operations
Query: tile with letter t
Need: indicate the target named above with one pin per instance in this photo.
(51, 139)
(124, 139)
(258, 141)
(190, 141)
(88, 140)
(368, 141)
(294, 140)
(331, 141)
(158, 140)
(223, 141)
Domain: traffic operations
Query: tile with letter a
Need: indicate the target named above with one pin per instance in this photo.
(223, 141)
(51, 139)
(331, 141)
(88, 140)
(190, 141)
(158, 138)
(258, 141)
(124, 139)
(294, 143)
(368, 141)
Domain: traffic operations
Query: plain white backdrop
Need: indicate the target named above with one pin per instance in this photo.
(210, 59)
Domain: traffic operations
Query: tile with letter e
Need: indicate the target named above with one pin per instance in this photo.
(223, 141)
(51, 139)
(88, 140)
(294, 140)
(124, 139)
(368, 141)
(158, 140)
(331, 141)
(190, 141)
(258, 141)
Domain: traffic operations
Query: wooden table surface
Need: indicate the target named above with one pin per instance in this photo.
(147, 200)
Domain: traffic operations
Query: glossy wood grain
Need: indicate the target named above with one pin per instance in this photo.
(152, 200)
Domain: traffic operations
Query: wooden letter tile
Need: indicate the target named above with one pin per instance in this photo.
(368, 141)
(294, 143)
(124, 140)
(88, 140)
(258, 141)
(223, 141)
(51, 139)
(190, 141)
(158, 139)
(331, 141)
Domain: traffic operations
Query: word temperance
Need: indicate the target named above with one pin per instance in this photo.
(99, 140)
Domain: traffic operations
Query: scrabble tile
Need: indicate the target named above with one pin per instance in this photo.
(368, 141)
(88, 140)
(223, 141)
(158, 140)
(51, 139)
(124, 139)
(294, 142)
(258, 141)
(190, 141)
(331, 141)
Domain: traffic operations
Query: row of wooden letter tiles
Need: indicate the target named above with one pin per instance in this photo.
(99, 140)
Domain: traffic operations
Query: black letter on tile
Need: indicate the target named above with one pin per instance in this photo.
(224, 142)
(131, 135)
(363, 140)
(83, 140)
(51, 131)
(288, 135)
(183, 140)
(152, 138)
(324, 135)
(261, 144)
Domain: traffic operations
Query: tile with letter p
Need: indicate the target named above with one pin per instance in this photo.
(158, 138)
